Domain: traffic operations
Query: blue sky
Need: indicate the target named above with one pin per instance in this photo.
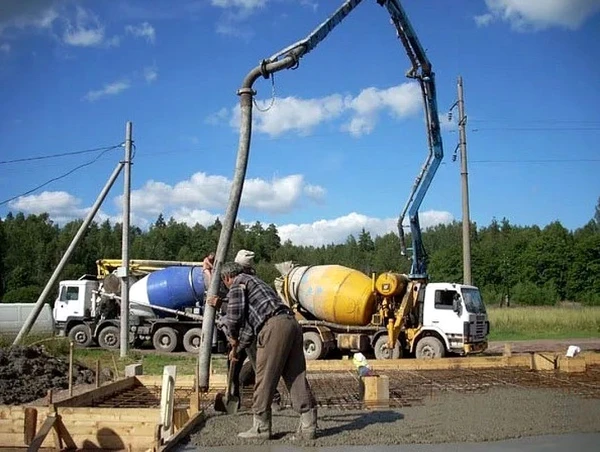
(341, 145)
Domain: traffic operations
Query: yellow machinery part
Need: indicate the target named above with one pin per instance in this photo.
(391, 284)
(333, 293)
(407, 304)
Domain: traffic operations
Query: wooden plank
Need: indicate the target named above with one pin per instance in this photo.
(426, 364)
(118, 414)
(41, 435)
(88, 398)
(61, 430)
(183, 381)
(189, 426)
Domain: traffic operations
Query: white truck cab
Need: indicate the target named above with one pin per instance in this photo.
(75, 300)
(456, 314)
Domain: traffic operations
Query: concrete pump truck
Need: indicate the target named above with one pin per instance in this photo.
(391, 314)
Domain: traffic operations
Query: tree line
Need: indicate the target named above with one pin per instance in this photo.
(527, 264)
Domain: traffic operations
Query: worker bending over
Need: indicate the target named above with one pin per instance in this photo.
(279, 348)
(246, 259)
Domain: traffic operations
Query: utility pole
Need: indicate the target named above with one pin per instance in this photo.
(124, 270)
(466, 221)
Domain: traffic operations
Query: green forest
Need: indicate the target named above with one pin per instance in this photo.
(532, 265)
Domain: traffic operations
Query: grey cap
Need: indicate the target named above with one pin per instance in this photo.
(245, 258)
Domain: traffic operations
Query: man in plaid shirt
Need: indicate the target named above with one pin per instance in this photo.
(255, 312)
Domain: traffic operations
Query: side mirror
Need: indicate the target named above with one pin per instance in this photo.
(456, 306)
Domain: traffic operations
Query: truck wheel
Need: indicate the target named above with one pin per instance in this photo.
(109, 338)
(81, 335)
(191, 340)
(429, 348)
(383, 352)
(313, 345)
(165, 339)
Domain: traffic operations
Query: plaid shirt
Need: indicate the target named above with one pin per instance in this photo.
(261, 302)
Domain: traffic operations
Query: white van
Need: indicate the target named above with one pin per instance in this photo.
(13, 316)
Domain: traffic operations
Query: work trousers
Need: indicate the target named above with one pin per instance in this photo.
(280, 354)
(250, 353)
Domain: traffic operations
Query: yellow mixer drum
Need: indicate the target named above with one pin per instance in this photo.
(333, 293)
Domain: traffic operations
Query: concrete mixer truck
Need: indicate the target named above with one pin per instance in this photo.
(389, 314)
(166, 306)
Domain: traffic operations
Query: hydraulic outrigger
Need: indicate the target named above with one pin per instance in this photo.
(287, 58)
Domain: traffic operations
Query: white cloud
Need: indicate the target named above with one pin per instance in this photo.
(143, 30)
(5, 48)
(64, 207)
(401, 101)
(293, 114)
(315, 192)
(36, 14)
(55, 201)
(323, 232)
(218, 117)
(193, 216)
(539, 15)
(241, 4)
(203, 191)
(186, 206)
(86, 32)
(110, 89)
(484, 20)
(150, 73)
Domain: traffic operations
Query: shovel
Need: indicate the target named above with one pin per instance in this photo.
(229, 402)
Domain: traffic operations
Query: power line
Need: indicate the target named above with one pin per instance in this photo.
(538, 129)
(62, 176)
(537, 121)
(63, 154)
(537, 161)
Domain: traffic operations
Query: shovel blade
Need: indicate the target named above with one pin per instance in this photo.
(232, 405)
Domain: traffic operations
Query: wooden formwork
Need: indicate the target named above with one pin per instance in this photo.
(533, 361)
(76, 421)
(84, 426)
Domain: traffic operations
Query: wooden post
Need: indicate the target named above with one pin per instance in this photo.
(377, 391)
(71, 369)
(30, 425)
(49, 397)
(97, 373)
(115, 365)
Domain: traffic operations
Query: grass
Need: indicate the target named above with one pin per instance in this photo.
(515, 323)
(522, 323)
(152, 362)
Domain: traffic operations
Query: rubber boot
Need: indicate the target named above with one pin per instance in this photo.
(261, 427)
(308, 425)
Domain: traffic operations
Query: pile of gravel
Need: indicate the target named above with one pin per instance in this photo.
(27, 373)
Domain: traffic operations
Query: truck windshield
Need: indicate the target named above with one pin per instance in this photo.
(473, 301)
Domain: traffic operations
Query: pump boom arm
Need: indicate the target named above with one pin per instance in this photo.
(421, 70)
(287, 58)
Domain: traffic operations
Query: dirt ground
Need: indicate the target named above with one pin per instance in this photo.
(27, 373)
(500, 413)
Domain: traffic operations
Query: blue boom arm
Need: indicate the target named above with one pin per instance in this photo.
(421, 71)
